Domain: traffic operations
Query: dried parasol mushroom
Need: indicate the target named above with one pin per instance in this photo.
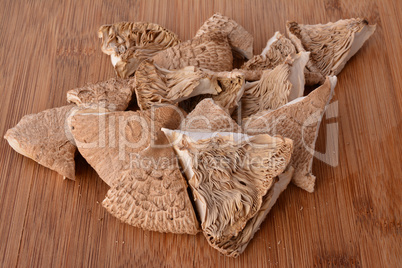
(236, 245)
(230, 86)
(332, 44)
(113, 94)
(209, 117)
(132, 155)
(276, 87)
(44, 138)
(209, 51)
(278, 48)
(155, 85)
(240, 40)
(229, 173)
(129, 43)
(298, 120)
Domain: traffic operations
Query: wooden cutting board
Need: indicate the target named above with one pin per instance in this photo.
(352, 219)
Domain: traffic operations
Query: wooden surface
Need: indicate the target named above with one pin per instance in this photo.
(353, 218)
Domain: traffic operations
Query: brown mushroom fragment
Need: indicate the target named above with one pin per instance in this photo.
(132, 155)
(155, 85)
(278, 48)
(209, 117)
(230, 86)
(236, 245)
(298, 120)
(129, 43)
(240, 40)
(229, 173)
(276, 87)
(332, 44)
(209, 51)
(113, 94)
(44, 137)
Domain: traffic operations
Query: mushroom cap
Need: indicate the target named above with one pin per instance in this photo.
(132, 155)
(155, 85)
(276, 87)
(44, 138)
(113, 94)
(278, 48)
(154, 199)
(129, 43)
(111, 141)
(210, 51)
(209, 117)
(240, 40)
(229, 173)
(230, 90)
(332, 44)
(236, 245)
(298, 120)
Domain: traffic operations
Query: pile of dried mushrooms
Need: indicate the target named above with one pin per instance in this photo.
(210, 148)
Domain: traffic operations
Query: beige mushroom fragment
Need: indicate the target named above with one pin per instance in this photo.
(278, 48)
(113, 94)
(44, 137)
(156, 85)
(240, 40)
(209, 51)
(230, 87)
(236, 245)
(132, 155)
(229, 174)
(298, 120)
(209, 117)
(332, 44)
(275, 88)
(129, 43)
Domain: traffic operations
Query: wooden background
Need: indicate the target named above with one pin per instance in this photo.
(353, 218)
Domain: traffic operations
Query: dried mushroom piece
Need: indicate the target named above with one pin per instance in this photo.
(229, 173)
(112, 142)
(278, 48)
(155, 85)
(332, 44)
(44, 138)
(154, 200)
(113, 94)
(209, 51)
(236, 245)
(230, 86)
(132, 155)
(276, 87)
(129, 43)
(209, 117)
(240, 40)
(298, 120)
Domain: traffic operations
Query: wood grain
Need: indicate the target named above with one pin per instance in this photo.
(352, 219)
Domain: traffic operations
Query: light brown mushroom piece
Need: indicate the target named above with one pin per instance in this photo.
(240, 40)
(129, 43)
(209, 117)
(132, 155)
(278, 48)
(332, 44)
(113, 94)
(231, 87)
(156, 85)
(236, 245)
(44, 137)
(298, 120)
(275, 88)
(229, 174)
(209, 51)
